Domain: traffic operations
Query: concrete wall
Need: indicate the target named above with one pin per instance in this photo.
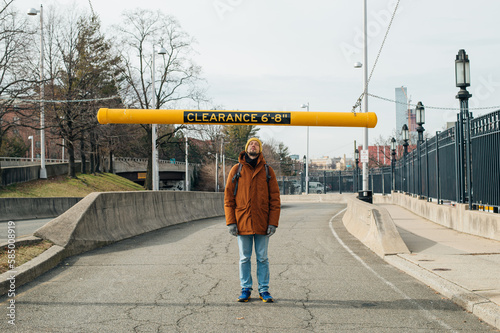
(12, 175)
(104, 218)
(12, 209)
(456, 217)
(21, 174)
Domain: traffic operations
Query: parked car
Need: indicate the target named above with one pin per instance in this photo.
(316, 187)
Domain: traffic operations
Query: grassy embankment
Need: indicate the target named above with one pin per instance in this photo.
(60, 186)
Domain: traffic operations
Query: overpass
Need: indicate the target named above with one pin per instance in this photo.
(172, 173)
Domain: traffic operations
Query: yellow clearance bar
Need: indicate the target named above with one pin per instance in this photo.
(236, 117)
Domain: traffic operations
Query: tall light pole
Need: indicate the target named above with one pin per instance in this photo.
(216, 172)
(356, 160)
(462, 80)
(31, 139)
(154, 136)
(43, 170)
(365, 92)
(223, 161)
(302, 183)
(307, 151)
(187, 167)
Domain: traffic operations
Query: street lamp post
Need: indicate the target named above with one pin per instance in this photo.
(365, 92)
(420, 120)
(187, 167)
(365, 130)
(43, 170)
(303, 182)
(154, 127)
(216, 173)
(393, 162)
(223, 162)
(31, 139)
(406, 136)
(462, 80)
(356, 159)
(307, 150)
(62, 152)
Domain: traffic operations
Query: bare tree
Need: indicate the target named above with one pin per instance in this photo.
(16, 79)
(82, 72)
(177, 77)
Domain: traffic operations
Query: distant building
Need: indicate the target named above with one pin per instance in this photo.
(25, 124)
(324, 163)
(405, 114)
(401, 109)
(329, 163)
(378, 156)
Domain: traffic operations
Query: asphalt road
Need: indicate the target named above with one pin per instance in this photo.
(23, 228)
(184, 278)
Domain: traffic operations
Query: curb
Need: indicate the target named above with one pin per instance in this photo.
(28, 240)
(478, 305)
(32, 269)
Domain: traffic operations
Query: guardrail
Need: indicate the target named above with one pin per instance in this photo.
(17, 161)
(145, 160)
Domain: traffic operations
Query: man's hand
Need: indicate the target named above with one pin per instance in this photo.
(271, 229)
(233, 230)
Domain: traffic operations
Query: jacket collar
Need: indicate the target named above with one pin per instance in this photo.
(260, 159)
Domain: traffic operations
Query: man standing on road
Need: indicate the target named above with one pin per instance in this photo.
(252, 206)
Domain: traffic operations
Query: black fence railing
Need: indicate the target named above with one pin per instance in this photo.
(435, 169)
(485, 159)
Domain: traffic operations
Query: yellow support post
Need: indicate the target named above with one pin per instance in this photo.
(227, 117)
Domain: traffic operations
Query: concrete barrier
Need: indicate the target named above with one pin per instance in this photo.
(456, 217)
(329, 197)
(13, 209)
(371, 224)
(104, 218)
(374, 227)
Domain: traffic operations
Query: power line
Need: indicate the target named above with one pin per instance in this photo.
(431, 107)
(68, 101)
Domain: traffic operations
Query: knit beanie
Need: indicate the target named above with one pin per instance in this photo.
(254, 139)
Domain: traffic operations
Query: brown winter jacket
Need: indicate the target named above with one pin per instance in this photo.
(257, 203)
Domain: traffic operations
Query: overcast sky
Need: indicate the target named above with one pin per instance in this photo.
(277, 55)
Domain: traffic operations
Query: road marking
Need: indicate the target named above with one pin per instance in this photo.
(429, 315)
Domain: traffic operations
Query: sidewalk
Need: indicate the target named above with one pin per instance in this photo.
(462, 267)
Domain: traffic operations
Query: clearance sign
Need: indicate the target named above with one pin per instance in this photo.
(239, 117)
(234, 117)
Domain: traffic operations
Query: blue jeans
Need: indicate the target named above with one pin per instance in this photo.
(245, 244)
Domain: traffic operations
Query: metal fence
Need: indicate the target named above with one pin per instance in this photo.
(435, 169)
(485, 158)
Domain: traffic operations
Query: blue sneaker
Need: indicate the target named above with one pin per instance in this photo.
(266, 297)
(245, 294)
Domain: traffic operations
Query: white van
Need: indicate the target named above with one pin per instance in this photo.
(316, 187)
